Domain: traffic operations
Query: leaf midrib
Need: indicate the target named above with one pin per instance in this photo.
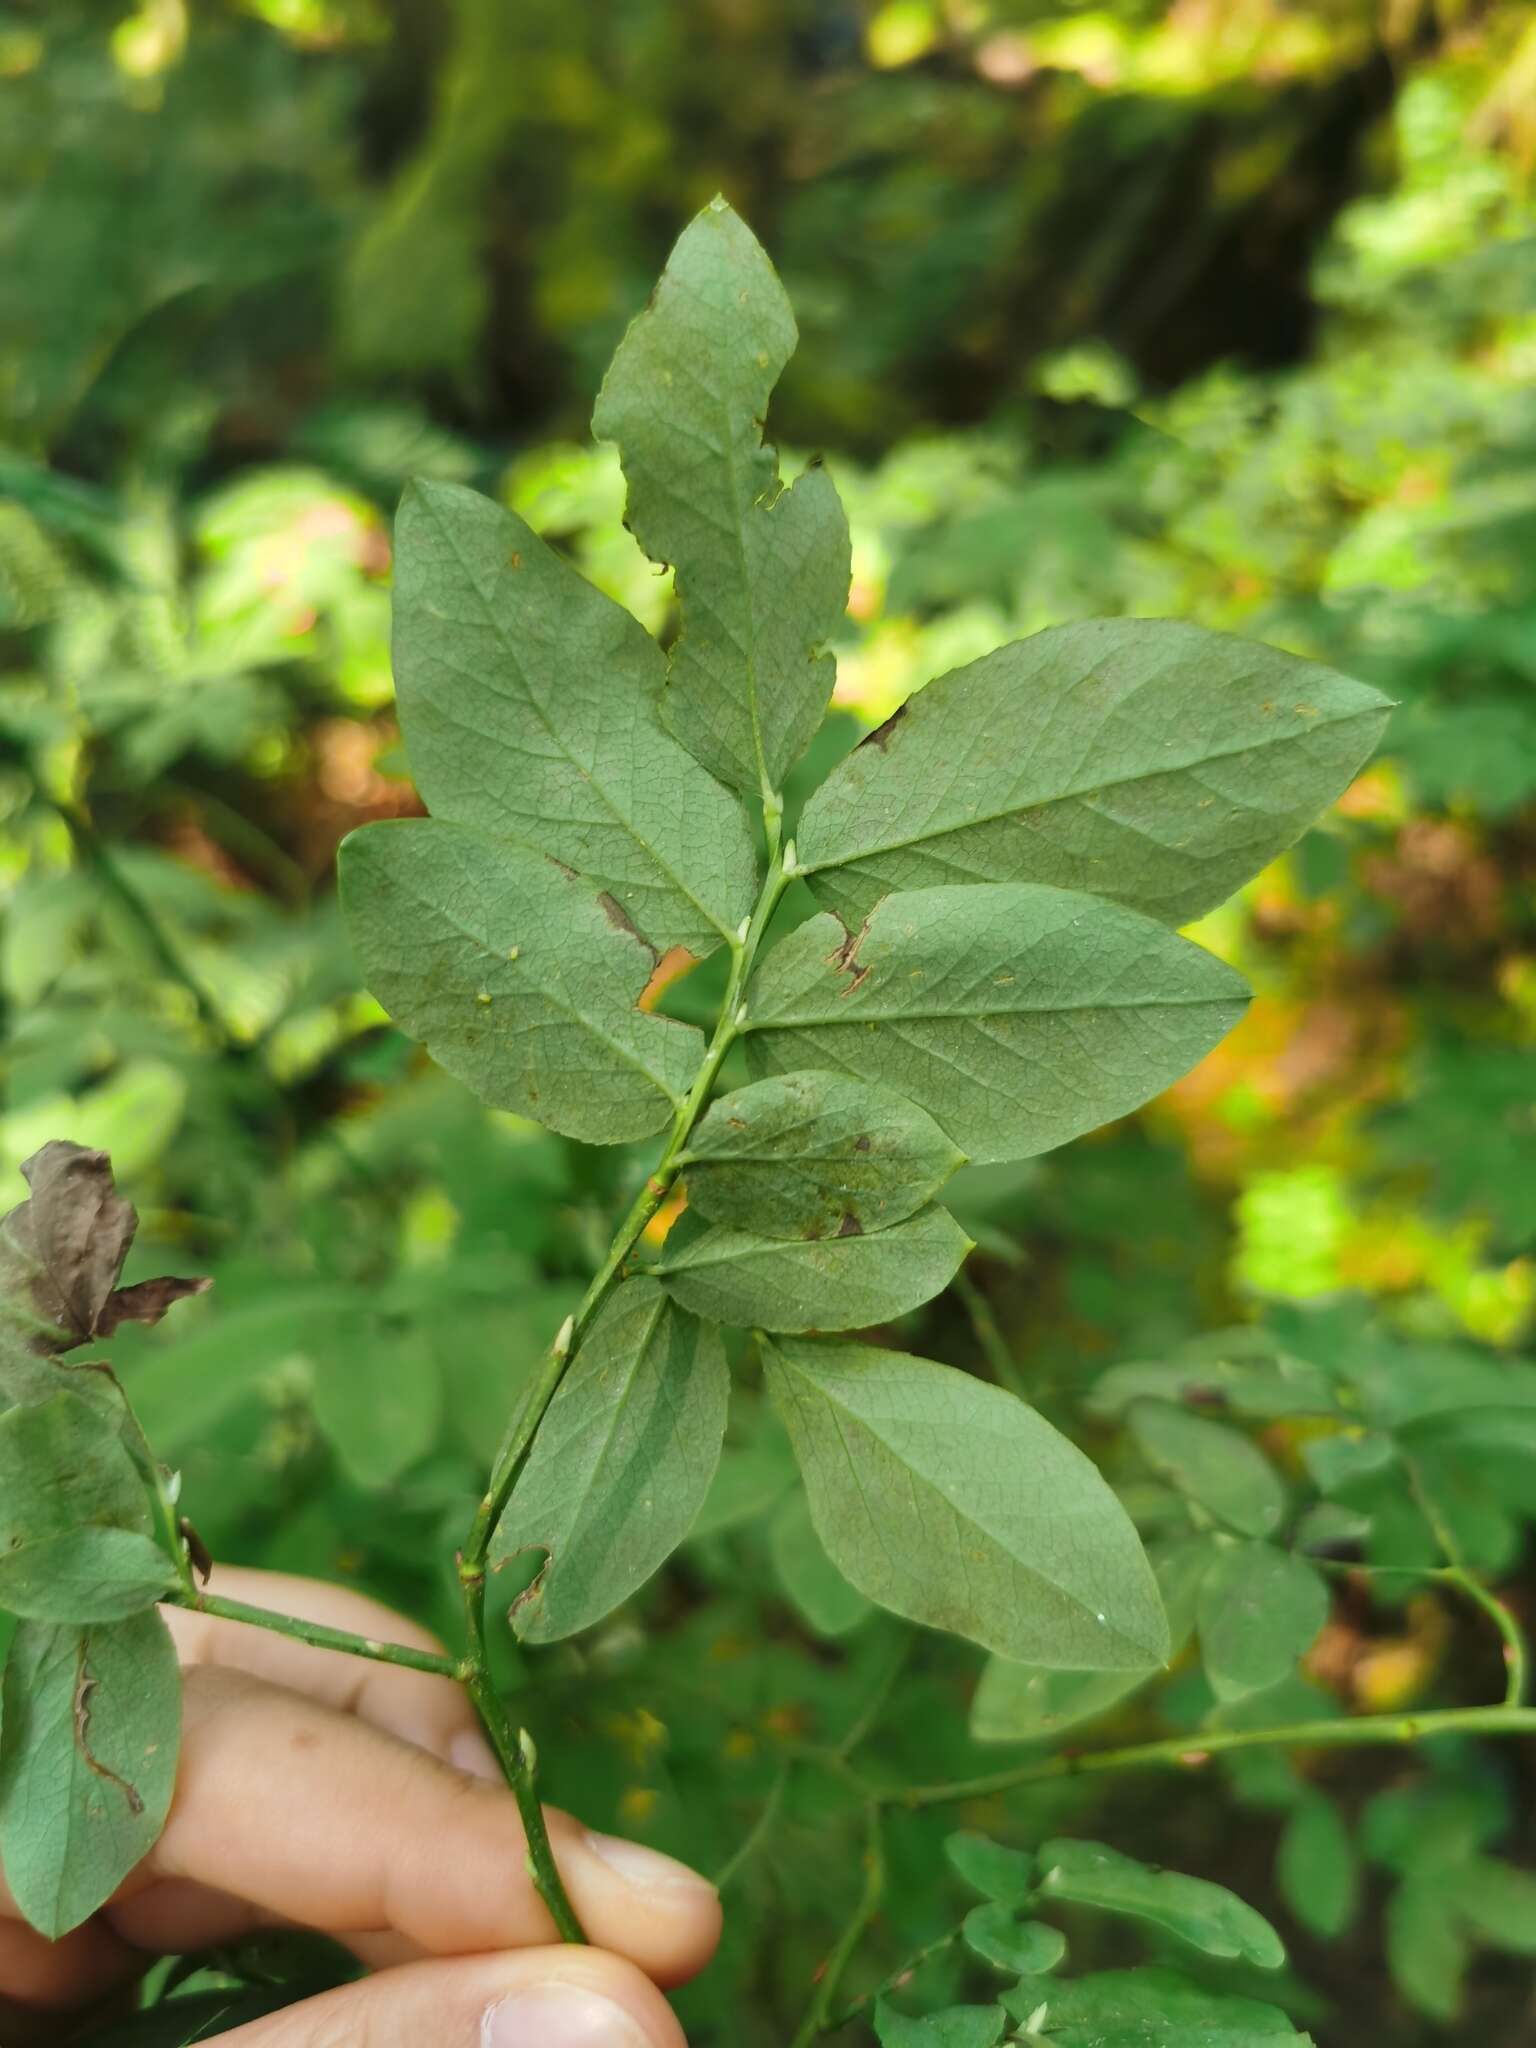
(1063, 796)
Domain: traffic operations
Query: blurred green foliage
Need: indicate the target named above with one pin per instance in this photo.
(1222, 312)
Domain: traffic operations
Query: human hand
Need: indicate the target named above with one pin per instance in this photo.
(361, 1800)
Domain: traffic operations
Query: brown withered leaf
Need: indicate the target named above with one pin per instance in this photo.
(62, 1252)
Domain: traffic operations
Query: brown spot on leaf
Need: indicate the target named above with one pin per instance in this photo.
(85, 1685)
(850, 1226)
(880, 738)
(846, 955)
(861, 1143)
(857, 982)
(514, 560)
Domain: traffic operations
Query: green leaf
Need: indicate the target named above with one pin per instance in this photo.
(1027, 1702)
(1003, 1874)
(805, 1154)
(1150, 2008)
(1018, 1016)
(948, 1501)
(75, 1543)
(621, 1464)
(519, 978)
(752, 1474)
(88, 1746)
(816, 1589)
(830, 1283)
(1145, 760)
(962, 2026)
(1022, 1947)
(762, 572)
(1498, 1903)
(1213, 1465)
(529, 706)
(1203, 1914)
(1427, 1950)
(1260, 1609)
(1316, 1866)
(378, 1398)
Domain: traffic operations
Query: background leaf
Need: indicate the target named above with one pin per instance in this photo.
(1260, 1609)
(816, 1589)
(1205, 1915)
(1211, 1464)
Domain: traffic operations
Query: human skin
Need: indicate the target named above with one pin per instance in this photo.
(322, 1791)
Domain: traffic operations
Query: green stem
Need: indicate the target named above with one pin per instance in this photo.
(896, 1979)
(316, 1636)
(518, 1441)
(1192, 1750)
(93, 852)
(759, 1831)
(519, 1763)
(516, 1752)
(816, 2020)
(989, 1336)
(1515, 1654)
(1455, 1573)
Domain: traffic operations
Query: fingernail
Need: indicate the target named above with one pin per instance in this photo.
(470, 1752)
(646, 1869)
(559, 2016)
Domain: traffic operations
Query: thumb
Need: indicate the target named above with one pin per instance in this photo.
(534, 1998)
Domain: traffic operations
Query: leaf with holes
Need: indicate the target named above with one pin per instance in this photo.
(621, 1463)
(762, 572)
(1145, 760)
(1017, 1016)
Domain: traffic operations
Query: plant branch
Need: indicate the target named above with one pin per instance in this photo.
(1192, 1750)
(759, 1831)
(1456, 1573)
(515, 1750)
(318, 1637)
(989, 1336)
(817, 2014)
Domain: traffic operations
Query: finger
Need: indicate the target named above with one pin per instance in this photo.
(40, 1978)
(326, 1821)
(543, 1998)
(434, 1713)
